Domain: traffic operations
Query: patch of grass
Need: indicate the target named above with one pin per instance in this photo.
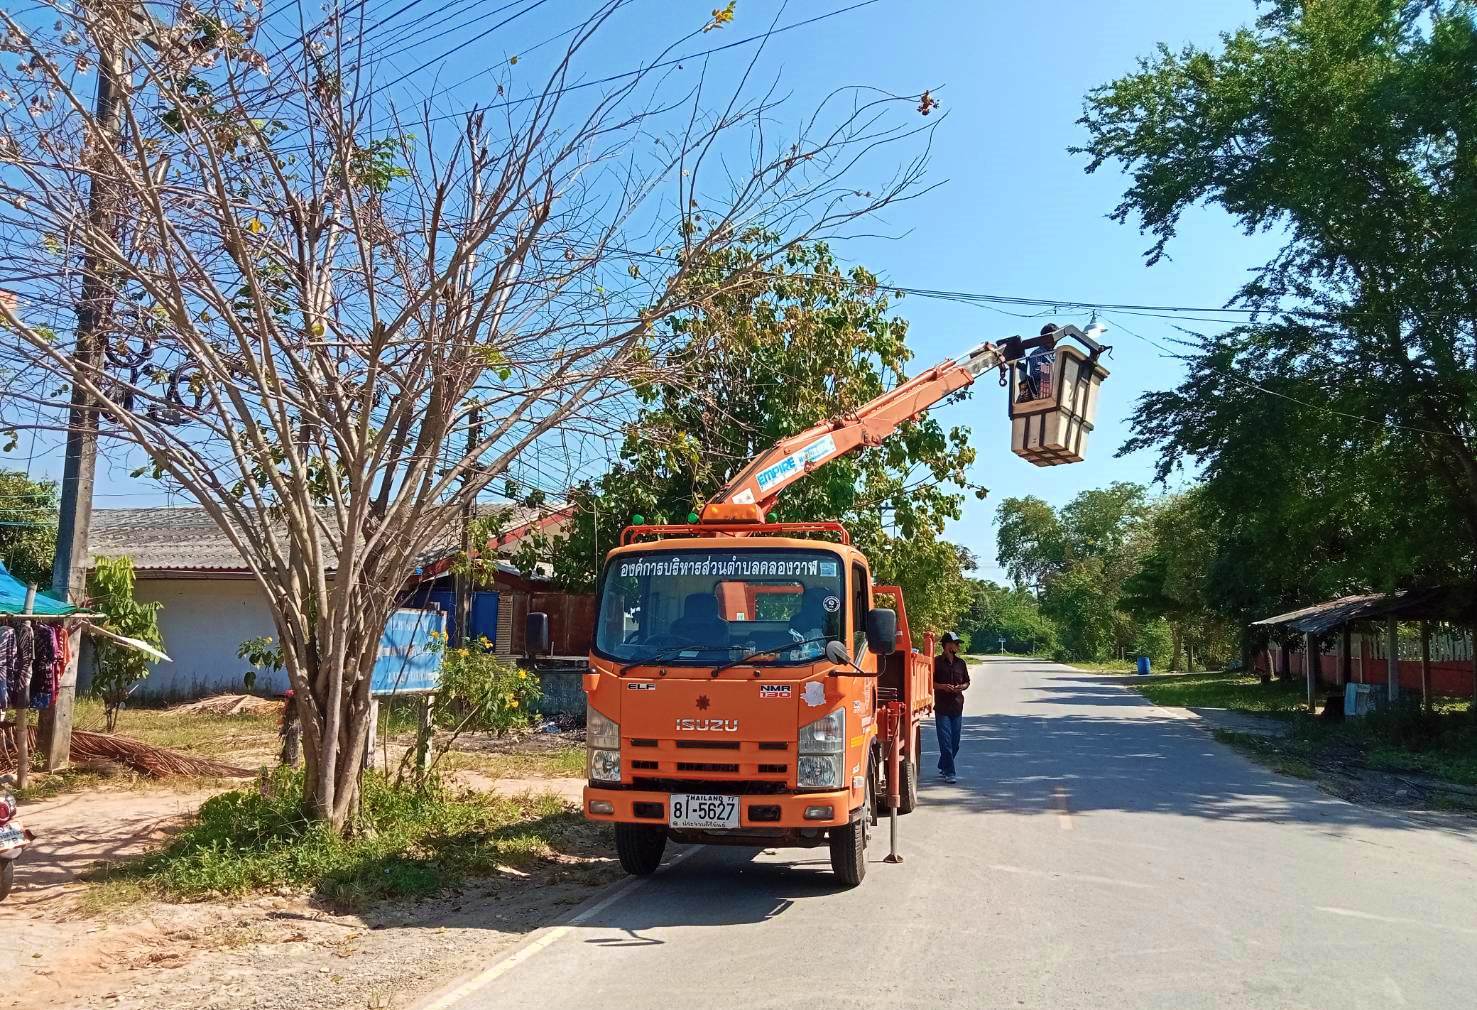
(1440, 745)
(409, 843)
(565, 761)
(45, 785)
(1280, 755)
(1108, 666)
(1235, 691)
(221, 737)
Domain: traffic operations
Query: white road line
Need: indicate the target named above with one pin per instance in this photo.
(1063, 814)
(1081, 878)
(1393, 920)
(539, 940)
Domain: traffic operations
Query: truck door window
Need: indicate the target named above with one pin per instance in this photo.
(860, 604)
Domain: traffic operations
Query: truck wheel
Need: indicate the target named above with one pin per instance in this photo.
(908, 794)
(7, 876)
(849, 843)
(640, 848)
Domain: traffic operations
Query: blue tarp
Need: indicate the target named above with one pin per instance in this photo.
(13, 598)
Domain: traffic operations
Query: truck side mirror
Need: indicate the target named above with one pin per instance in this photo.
(536, 634)
(882, 631)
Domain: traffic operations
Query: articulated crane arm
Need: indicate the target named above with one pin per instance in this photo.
(767, 475)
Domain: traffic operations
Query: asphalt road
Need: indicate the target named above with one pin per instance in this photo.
(1097, 852)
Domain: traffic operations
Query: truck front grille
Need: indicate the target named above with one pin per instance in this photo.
(720, 760)
(728, 787)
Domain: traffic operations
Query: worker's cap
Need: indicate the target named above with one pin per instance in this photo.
(950, 636)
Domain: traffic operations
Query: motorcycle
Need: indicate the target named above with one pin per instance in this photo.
(14, 837)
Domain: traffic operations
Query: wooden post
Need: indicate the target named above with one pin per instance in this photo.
(1392, 658)
(371, 739)
(423, 735)
(1426, 665)
(1310, 668)
(1346, 658)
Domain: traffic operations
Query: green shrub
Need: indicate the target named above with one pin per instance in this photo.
(482, 691)
(407, 842)
(117, 669)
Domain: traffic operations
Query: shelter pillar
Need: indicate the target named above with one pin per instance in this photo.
(1310, 668)
(1426, 665)
(1392, 657)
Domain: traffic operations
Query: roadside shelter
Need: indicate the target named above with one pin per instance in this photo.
(1382, 612)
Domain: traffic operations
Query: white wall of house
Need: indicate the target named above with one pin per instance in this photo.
(203, 623)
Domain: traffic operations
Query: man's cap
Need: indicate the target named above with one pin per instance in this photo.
(950, 636)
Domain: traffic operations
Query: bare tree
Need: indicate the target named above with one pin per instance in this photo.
(334, 324)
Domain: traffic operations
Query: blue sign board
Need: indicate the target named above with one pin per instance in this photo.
(407, 663)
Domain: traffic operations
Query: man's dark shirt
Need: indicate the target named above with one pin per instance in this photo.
(947, 670)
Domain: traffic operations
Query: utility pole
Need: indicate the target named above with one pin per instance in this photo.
(465, 582)
(69, 571)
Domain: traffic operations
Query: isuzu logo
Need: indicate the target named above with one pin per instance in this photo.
(707, 725)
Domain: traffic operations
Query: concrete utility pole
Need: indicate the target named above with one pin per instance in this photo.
(69, 570)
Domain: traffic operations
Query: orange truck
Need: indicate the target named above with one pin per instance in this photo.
(747, 685)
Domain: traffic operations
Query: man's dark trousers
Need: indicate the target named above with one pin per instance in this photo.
(949, 727)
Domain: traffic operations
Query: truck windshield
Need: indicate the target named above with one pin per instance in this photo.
(703, 606)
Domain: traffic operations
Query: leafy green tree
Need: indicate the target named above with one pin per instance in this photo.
(777, 355)
(117, 670)
(1337, 432)
(1010, 613)
(1172, 581)
(27, 527)
(1078, 558)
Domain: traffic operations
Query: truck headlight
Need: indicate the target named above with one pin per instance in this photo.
(605, 766)
(822, 751)
(819, 771)
(601, 733)
(827, 735)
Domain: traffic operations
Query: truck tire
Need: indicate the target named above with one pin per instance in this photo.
(7, 876)
(908, 794)
(640, 848)
(849, 843)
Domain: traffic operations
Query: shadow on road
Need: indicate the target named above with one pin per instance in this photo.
(1097, 746)
(718, 886)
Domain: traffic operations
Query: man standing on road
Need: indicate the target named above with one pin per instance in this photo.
(950, 681)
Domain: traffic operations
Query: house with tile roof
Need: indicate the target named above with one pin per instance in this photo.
(211, 603)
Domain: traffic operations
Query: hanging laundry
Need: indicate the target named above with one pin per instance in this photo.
(43, 667)
(7, 663)
(25, 656)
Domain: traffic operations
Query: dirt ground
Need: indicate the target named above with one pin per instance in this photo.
(270, 952)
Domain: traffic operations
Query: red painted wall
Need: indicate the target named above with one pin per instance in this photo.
(1453, 678)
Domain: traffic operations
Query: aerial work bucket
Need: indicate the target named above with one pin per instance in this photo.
(1053, 400)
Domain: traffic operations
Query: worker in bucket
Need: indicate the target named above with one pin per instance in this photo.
(950, 681)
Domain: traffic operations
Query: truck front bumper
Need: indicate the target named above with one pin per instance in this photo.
(771, 812)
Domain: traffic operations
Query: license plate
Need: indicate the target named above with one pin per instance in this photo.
(697, 810)
(11, 836)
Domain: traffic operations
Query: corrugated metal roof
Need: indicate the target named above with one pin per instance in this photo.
(1437, 603)
(186, 538)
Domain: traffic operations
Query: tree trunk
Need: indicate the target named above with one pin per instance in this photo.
(1174, 660)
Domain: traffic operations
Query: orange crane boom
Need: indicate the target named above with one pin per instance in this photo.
(768, 474)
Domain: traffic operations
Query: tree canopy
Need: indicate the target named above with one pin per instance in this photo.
(1337, 430)
(27, 527)
(807, 341)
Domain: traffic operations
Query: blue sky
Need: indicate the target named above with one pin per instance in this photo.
(1014, 214)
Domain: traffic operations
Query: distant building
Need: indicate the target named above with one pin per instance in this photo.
(212, 603)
